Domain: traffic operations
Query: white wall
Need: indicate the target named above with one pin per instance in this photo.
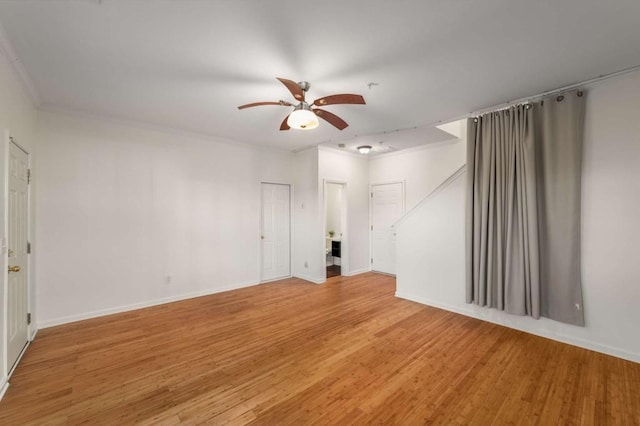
(123, 210)
(308, 260)
(422, 169)
(352, 169)
(17, 119)
(431, 240)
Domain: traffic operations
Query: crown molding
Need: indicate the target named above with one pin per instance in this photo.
(416, 148)
(158, 128)
(6, 49)
(344, 152)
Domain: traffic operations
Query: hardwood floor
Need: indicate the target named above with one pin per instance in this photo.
(333, 271)
(290, 352)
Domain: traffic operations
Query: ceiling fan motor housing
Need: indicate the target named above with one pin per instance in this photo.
(304, 85)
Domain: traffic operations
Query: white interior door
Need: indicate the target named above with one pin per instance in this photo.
(387, 206)
(17, 300)
(276, 231)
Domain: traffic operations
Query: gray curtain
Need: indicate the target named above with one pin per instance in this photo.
(523, 209)
(559, 129)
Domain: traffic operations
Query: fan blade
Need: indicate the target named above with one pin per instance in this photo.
(331, 118)
(284, 125)
(282, 103)
(344, 98)
(293, 87)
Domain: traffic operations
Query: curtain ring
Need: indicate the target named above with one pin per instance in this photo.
(560, 98)
(528, 106)
(579, 93)
(541, 103)
(475, 120)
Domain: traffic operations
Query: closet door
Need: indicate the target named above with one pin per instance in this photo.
(387, 206)
(276, 231)
(17, 255)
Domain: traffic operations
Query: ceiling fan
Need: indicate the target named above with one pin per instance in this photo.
(304, 116)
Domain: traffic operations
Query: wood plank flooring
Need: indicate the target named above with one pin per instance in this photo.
(290, 352)
(333, 271)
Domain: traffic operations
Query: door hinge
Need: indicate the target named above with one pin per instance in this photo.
(372, 227)
(372, 195)
(28, 247)
(29, 318)
(28, 176)
(372, 260)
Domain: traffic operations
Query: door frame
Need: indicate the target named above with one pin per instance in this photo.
(260, 212)
(6, 372)
(403, 182)
(344, 215)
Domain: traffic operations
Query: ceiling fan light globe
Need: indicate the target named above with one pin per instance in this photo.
(303, 119)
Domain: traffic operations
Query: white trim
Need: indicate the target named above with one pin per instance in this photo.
(357, 272)
(4, 316)
(416, 148)
(305, 148)
(6, 49)
(310, 279)
(276, 279)
(389, 182)
(448, 181)
(160, 128)
(344, 224)
(15, 364)
(4, 385)
(559, 337)
(344, 152)
(155, 302)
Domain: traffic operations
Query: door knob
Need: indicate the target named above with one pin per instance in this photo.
(14, 268)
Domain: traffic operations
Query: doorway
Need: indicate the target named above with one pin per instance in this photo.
(335, 227)
(18, 318)
(275, 224)
(387, 206)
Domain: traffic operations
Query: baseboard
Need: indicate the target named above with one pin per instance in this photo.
(559, 337)
(15, 365)
(275, 279)
(4, 385)
(357, 272)
(132, 307)
(308, 278)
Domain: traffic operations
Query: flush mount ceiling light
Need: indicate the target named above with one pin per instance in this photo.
(364, 149)
(304, 116)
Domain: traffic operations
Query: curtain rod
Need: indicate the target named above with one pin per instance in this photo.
(534, 98)
(497, 107)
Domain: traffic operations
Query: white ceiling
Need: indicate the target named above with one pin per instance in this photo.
(187, 64)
